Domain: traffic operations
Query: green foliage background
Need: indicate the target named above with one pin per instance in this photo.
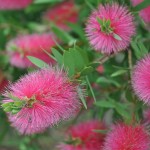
(115, 100)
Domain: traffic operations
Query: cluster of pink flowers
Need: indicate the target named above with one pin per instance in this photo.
(49, 97)
(30, 45)
(14, 4)
(120, 137)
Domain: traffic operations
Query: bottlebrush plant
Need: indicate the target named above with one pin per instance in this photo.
(74, 75)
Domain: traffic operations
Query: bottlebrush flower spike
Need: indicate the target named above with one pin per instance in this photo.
(110, 28)
(33, 45)
(83, 136)
(47, 96)
(127, 137)
(14, 4)
(62, 14)
(145, 13)
(141, 79)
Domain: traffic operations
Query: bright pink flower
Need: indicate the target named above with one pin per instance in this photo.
(49, 97)
(33, 45)
(127, 137)
(114, 33)
(145, 13)
(62, 14)
(141, 79)
(85, 137)
(14, 4)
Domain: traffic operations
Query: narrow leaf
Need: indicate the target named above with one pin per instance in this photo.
(142, 5)
(39, 63)
(119, 72)
(105, 104)
(117, 37)
(81, 96)
(58, 56)
(92, 92)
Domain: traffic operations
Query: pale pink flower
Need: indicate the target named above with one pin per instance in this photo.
(49, 98)
(127, 137)
(62, 14)
(141, 79)
(115, 33)
(14, 4)
(84, 136)
(144, 13)
(30, 45)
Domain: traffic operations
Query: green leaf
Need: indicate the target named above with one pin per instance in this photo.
(139, 49)
(50, 55)
(99, 21)
(87, 70)
(19, 103)
(122, 111)
(117, 37)
(39, 63)
(78, 30)
(92, 92)
(142, 47)
(89, 5)
(107, 81)
(64, 36)
(78, 60)
(119, 72)
(105, 104)
(108, 23)
(81, 96)
(13, 97)
(75, 60)
(83, 54)
(142, 5)
(136, 50)
(57, 55)
(7, 104)
(69, 63)
(8, 109)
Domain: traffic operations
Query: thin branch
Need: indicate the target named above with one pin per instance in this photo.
(130, 60)
(104, 58)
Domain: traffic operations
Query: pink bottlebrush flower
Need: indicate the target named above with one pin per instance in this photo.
(127, 137)
(62, 14)
(84, 136)
(110, 28)
(33, 45)
(141, 79)
(145, 13)
(48, 96)
(14, 4)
